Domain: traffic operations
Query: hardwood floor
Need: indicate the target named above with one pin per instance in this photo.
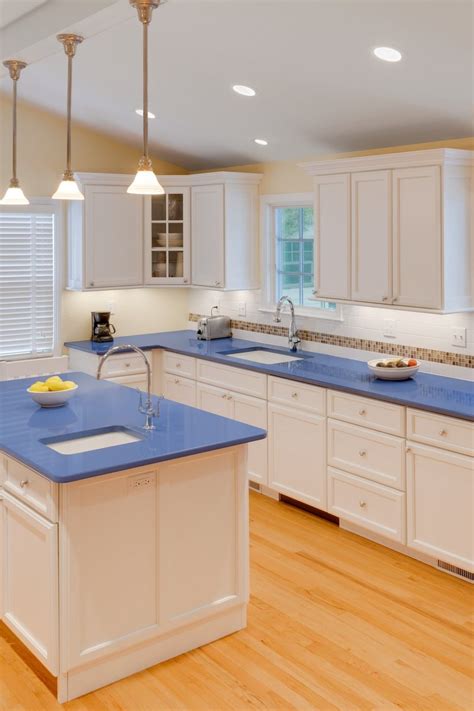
(335, 623)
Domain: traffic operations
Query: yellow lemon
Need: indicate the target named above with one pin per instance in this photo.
(69, 384)
(39, 387)
(53, 379)
(57, 385)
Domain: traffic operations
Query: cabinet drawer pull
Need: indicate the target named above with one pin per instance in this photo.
(384, 298)
(362, 452)
(443, 433)
(315, 291)
(177, 381)
(127, 365)
(178, 365)
(224, 395)
(294, 394)
(395, 299)
(217, 283)
(24, 483)
(362, 504)
(229, 397)
(362, 412)
(408, 450)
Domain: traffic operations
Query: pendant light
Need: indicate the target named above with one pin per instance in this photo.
(14, 194)
(68, 188)
(145, 182)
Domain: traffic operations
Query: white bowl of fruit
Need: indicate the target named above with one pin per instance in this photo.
(394, 368)
(53, 392)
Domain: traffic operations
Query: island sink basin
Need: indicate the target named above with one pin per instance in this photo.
(81, 442)
(261, 355)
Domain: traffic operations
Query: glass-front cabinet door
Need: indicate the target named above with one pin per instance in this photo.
(167, 243)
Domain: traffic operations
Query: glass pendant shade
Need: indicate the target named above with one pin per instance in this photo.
(145, 183)
(68, 190)
(14, 196)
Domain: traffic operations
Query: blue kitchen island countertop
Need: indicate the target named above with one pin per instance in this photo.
(26, 428)
(435, 393)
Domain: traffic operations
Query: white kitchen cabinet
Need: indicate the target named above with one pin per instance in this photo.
(440, 505)
(396, 229)
(105, 234)
(371, 233)
(416, 206)
(167, 229)
(137, 382)
(179, 389)
(236, 406)
(332, 225)
(224, 216)
(297, 454)
(29, 577)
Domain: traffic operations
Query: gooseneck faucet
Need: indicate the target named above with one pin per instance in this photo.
(146, 409)
(293, 338)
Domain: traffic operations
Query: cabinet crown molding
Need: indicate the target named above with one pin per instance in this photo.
(386, 161)
(214, 178)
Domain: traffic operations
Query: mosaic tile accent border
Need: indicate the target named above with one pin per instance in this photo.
(396, 349)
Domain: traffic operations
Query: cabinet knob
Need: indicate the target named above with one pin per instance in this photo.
(217, 283)
(315, 291)
(362, 412)
(443, 433)
(408, 450)
(384, 298)
(229, 397)
(395, 298)
(176, 381)
(24, 483)
(185, 281)
(294, 395)
(91, 283)
(362, 504)
(127, 365)
(178, 365)
(362, 452)
(224, 395)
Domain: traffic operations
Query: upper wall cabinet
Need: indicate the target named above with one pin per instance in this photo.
(396, 230)
(224, 217)
(105, 234)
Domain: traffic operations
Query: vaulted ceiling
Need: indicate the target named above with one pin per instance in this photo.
(319, 87)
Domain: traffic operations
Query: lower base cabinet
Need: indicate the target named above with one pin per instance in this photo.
(251, 410)
(297, 454)
(180, 390)
(440, 504)
(29, 578)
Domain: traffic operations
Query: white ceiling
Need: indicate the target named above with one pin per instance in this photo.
(319, 89)
(11, 10)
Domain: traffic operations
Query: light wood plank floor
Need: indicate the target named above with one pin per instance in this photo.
(335, 623)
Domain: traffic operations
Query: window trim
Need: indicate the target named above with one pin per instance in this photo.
(55, 207)
(268, 256)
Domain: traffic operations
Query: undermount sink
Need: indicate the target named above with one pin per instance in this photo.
(261, 355)
(95, 439)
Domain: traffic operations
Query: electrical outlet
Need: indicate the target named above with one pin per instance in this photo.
(110, 306)
(136, 483)
(242, 308)
(389, 328)
(458, 337)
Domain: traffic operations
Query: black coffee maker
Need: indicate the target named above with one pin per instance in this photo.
(102, 329)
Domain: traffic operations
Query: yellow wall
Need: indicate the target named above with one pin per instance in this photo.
(287, 177)
(41, 158)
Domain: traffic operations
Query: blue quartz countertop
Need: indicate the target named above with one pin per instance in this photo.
(447, 396)
(180, 430)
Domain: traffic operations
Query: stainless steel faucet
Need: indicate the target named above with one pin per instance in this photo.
(293, 338)
(147, 408)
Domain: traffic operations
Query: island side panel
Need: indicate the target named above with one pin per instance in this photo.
(153, 563)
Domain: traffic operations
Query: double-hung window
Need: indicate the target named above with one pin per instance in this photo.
(28, 280)
(288, 229)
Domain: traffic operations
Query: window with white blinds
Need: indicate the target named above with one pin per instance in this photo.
(27, 282)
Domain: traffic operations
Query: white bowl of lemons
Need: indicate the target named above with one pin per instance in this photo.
(53, 392)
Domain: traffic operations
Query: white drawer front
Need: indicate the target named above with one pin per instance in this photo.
(179, 365)
(124, 364)
(373, 506)
(180, 390)
(33, 489)
(224, 376)
(440, 431)
(299, 395)
(372, 455)
(382, 416)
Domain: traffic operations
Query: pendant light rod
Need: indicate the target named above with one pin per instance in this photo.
(69, 42)
(14, 67)
(145, 89)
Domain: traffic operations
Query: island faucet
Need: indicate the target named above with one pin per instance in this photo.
(147, 408)
(293, 338)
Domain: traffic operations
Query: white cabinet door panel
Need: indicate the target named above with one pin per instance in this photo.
(215, 400)
(371, 236)
(29, 560)
(440, 504)
(417, 237)
(297, 454)
(253, 412)
(332, 254)
(179, 389)
(207, 217)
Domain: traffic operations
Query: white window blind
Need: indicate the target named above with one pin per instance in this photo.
(27, 282)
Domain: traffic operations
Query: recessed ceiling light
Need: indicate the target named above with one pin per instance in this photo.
(244, 90)
(140, 113)
(388, 54)
(261, 141)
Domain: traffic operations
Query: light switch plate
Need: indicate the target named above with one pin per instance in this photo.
(458, 337)
(242, 308)
(389, 328)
